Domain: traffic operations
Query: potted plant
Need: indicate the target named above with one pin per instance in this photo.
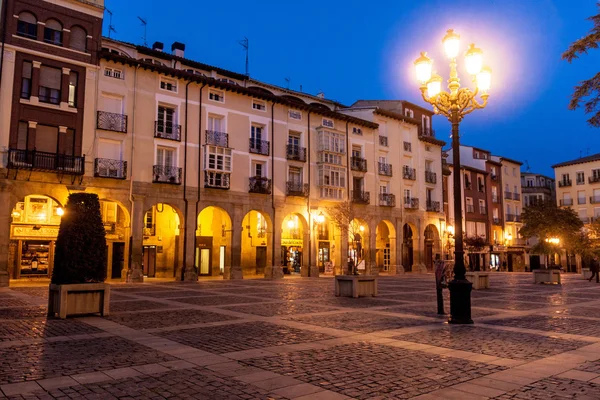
(77, 286)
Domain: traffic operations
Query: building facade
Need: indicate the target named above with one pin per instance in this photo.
(200, 170)
(537, 188)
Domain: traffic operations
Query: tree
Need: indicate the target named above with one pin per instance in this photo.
(343, 216)
(80, 255)
(474, 244)
(588, 89)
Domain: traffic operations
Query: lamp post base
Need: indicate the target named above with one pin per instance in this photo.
(460, 301)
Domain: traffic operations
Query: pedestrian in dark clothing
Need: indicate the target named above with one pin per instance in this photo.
(594, 267)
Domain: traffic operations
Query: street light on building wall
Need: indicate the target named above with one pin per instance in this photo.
(454, 104)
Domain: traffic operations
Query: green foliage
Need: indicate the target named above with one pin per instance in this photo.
(474, 243)
(80, 255)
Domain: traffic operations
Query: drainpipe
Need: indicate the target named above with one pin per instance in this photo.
(131, 159)
(3, 39)
(273, 182)
(310, 219)
(347, 162)
(199, 160)
(185, 200)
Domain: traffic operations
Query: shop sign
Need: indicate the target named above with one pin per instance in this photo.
(291, 242)
(34, 231)
(329, 267)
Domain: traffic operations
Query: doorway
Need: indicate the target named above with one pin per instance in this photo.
(149, 261)
(429, 255)
(510, 262)
(261, 259)
(323, 255)
(535, 262)
(118, 259)
(204, 261)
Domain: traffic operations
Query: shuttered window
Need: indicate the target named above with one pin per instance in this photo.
(22, 135)
(49, 91)
(46, 138)
(78, 39)
(26, 80)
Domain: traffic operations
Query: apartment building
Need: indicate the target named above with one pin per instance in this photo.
(200, 170)
(537, 188)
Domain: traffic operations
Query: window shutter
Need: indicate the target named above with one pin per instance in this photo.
(50, 77)
(78, 39)
(26, 70)
(53, 24)
(46, 138)
(27, 17)
(22, 136)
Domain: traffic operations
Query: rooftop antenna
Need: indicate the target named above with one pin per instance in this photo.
(145, 23)
(287, 80)
(527, 167)
(111, 28)
(244, 43)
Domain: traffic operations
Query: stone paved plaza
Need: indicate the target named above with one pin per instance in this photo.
(293, 339)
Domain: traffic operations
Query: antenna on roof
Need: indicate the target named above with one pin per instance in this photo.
(527, 167)
(287, 80)
(244, 43)
(111, 28)
(145, 23)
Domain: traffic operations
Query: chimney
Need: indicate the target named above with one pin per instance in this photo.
(158, 46)
(178, 49)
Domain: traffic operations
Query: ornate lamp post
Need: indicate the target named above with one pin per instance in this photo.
(454, 104)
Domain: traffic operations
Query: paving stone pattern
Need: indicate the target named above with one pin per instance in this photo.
(554, 388)
(167, 318)
(38, 328)
(359, 321)
(560, 324)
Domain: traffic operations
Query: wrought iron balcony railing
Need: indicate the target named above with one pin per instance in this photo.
(383, 141)
(107, 168)
(111, 121)
(568, 202)
(259, 147)
(594, 179)
(516, 196)
(409, 173)
(216, 180)
(510, 217)
(518, 218)
(433, 206)
(411, 203)
(167, 131)
(565, 183)
(360, 197)
(43, 161)
(429, 132)
(298, 189)
(296, 153)
(430, 177)
(387, 200)
(594, 199)
(470, 208)
(508, 195)
(358, 164)
(215, 138)
(260, 185)
(166, 174)
(385, 169)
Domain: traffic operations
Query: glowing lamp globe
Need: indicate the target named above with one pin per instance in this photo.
(423, 66)
(474, 60)
(434, 86)
(451, 43)
(484, 79)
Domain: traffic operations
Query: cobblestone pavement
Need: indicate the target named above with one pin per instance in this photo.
(293, 339)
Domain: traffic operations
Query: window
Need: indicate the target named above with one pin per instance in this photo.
(357, 131)
(294, 140)
(259, 105)
(481, 229)
(332, 142)
(78, 39)
(328, 122)
(428, 165)
(258, 169)
(429, 196)
(428, 148)
(73, 89)
(53, 32)
(217, 158)
(505, 170)
(293, 114)
(113, 73)
(46, 138)
(581, 197)
(50, 80)
(165, 156)
(565, 177)
(515, 191)
(580, 178)
(467, 180)
(409, 113)
(256, 137)
(356, 151)
(514, 172)
(215, 95)
(295, 175)
(216, 123)
(596, 174)
(165, 120)
(26, 80)
(482, 207)
(407, 147)
(469, 204)
(530, 182)
(149, 219)
(384, 188)
(476, 154)
(480, 185)
(332, 181)
(27, 25)
(168, 84)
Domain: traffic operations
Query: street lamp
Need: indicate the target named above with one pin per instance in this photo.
(454, 104)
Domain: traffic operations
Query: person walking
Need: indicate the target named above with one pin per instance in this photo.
(594, 267)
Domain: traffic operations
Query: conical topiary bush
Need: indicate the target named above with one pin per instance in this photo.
(80, 255)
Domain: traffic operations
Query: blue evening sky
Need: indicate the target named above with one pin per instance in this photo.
(354, 50)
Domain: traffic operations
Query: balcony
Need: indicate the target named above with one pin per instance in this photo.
(407, 146)
(360, 197)
(518, 218)
(385, 169)
(594, 199)
(569, 202)
(215, 138)
(496, 221)
(470, 208)
(580, 181)
(516, 196)
(296, 153)
(430, 177)
(482, 210)
(495, 199)
(409, 173)
(42, 161)
(383, 141)
(298, 189)
(358, 164)
(107, 168)
(565, 183)
(510, 217)
(433, 206)
(429, 132)
(168, 131)
(166, 174)
(111, 121)
(411, 203)
(594, 179)
(387, 200)
(508, 195)
(259, 147)
(216, 180)
(260, 185)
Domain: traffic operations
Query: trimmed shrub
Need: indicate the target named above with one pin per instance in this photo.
(80, 255)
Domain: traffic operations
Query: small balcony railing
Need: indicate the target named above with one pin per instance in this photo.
(433, 206)
(260, 185)
(107, 168)
(412, 203)
(259, 147)
(215, 138)
(385, 169)
(510, 217)
(407, 146)
(517, 218)
(516, 196)
(508, 195)
(580, 181)
(568, 202)
(166, 174)
(594, 199)
(409, 173)
(296, 153)
(298, 189)
(565, 183)
(387, 200)
(496, 221)
(111, 121)
(495, 199)
(43, 161)
(360, 197)
(216, 180)
(358, 164)
(383, 141)
(482, 210)
(168, 131)
(429, 132)
(470, 208)
(594, 179)
(430, 177)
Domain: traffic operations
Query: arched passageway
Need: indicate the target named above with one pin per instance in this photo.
(213, 241)
(256, 243)
(162, 243)
(293, 230)
(385, 243)
(432, 246)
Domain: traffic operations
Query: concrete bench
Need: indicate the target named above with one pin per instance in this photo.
(355, 285)
(546, 276)
(480, 280)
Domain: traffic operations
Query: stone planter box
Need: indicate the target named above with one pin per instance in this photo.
(355, 285)
(546, 276)
(587, 274)
(78, 299)
(480, 280)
